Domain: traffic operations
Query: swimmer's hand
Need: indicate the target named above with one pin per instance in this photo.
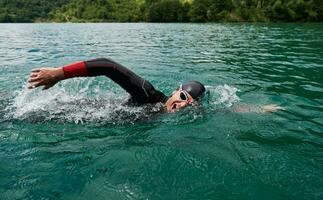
(46, 77)
(271, 108)
(257, 109)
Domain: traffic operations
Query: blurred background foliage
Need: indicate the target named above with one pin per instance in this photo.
(161, 10)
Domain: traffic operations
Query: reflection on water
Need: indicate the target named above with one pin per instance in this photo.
(77, 141)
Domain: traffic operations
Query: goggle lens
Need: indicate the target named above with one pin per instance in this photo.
(183, 96)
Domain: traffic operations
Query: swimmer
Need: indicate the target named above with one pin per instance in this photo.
(141, 91)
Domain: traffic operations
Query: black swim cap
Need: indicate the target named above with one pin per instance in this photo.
(194, 88)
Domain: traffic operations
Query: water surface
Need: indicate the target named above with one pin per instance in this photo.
(76, 141)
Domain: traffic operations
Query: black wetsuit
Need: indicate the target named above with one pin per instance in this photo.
(141, 90)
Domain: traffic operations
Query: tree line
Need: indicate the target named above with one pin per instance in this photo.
(161, 10)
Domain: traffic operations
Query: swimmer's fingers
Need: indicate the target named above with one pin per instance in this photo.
(31, 87)
(46, 77)
(272, 108)
(37, 73)
(35, 84)
(34, 79)
(33, 74)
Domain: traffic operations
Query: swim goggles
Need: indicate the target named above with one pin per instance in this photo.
(183, 94)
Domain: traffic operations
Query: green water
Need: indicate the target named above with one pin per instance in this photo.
(75, 141)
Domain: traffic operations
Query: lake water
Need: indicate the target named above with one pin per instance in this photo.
(76, 141)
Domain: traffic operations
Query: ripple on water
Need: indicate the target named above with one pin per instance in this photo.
(76, 141)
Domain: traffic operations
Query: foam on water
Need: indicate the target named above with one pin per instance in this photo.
(66, 104)
(223, 95)
(79, 103)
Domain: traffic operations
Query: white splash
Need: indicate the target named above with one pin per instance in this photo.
(223, 95)
(71, 103)
(80, 101)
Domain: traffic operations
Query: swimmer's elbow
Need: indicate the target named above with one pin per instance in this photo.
(103, 60)
(101, 66)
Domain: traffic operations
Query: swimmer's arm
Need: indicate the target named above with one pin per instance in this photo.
(245, 108)
(48, 77)
(140, 89)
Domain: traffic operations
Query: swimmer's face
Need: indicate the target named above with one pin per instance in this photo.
(179, 99)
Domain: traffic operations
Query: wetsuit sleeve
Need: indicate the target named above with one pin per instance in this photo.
(140, 89)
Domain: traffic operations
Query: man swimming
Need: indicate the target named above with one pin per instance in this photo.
(141, 91)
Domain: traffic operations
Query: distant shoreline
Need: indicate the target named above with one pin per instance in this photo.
(161, 11)
(108, 22)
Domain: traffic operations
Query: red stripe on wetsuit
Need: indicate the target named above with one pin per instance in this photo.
(141, 91)
(77, 69)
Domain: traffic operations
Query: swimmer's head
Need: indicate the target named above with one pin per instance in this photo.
(187, 94)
